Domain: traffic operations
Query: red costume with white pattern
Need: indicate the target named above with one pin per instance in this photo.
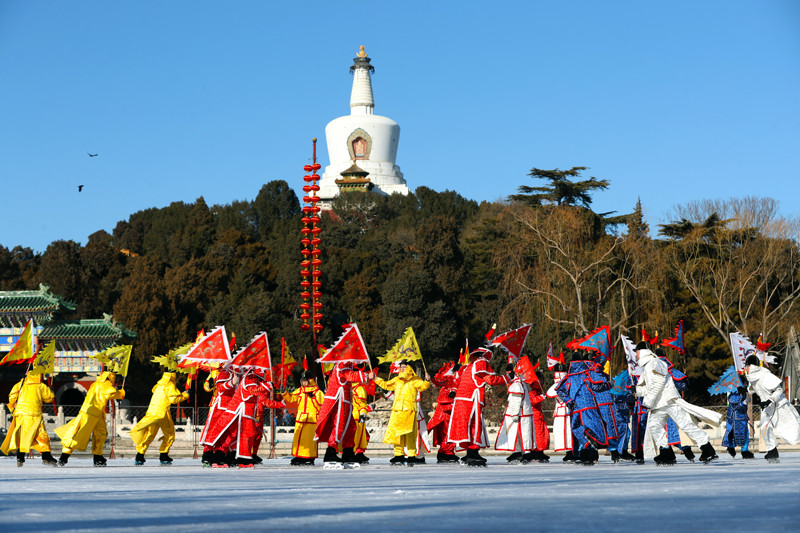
(447, 381)
(467, 428)
(335, 420)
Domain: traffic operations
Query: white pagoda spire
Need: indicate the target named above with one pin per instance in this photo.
(362, 146)
(361, 100)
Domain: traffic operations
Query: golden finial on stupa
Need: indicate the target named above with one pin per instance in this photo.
(361, 52)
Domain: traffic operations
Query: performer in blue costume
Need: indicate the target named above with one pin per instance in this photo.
(737, 430)
(585, 390)
(624, 400)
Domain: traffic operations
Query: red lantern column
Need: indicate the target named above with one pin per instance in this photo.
(310, 265)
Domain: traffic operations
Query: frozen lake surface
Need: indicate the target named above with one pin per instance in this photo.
(728, 495)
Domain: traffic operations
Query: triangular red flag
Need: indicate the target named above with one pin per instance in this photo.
(212, 348)
(525, 370)
(513, 341)
(348, 348)
(254, 356)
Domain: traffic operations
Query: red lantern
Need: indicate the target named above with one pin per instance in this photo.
(316, 251)
(305, 242)
(314, 187)
(306, 327)
(305, 274)
(314, 177)
(315, 241)
(304, 306)
(318, 327)
(305, 316)
(308, 168)
(315, 209)
(307, 188)
(314, 220)
(317, 305)
(305, 251)
(315, 284)
(305, 284)
(316, 273)
(305, 231)
(306, 295)
(316, 231)
(315, 294)
(305, 264)
(307, 178)
(315, 166)
(316, 262)
(317, 317)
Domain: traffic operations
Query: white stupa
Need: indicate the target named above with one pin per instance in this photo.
(362, 146)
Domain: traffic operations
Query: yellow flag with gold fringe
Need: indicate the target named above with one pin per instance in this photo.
(116, 358)
(405, 348)
(45, 361)
(24, 348)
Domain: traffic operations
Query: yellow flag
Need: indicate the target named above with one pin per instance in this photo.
(172, 360)
(45, 360)
(116, 358)
(286, 355)
(405, 348)
(23, 349)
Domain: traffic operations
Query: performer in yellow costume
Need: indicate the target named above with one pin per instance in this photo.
(27, 427)
(165, 393)
(360, 410)
(91, 421)
(308, 399)
(402, 429)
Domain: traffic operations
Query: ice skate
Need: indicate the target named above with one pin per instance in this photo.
(20, 459)
(688, 453)
(747, 454)
(447, 458)
(398, 460)
(361, 458)
(99, 460)
(666, 457)
(48, 459)
(541, 457)
(473, 458)
(625, 457)
(139, 460)
(514, 459)
(62, 461)
(772, 456)
(708, 454)
(165, 459)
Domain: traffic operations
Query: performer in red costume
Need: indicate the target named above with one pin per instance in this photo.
(467, 429)
(447, 381)
(335, 421)
(219, 424)
(252, 393)
(213, 383)
(537, 396)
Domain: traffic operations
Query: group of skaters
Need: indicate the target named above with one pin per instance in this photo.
(636, 421)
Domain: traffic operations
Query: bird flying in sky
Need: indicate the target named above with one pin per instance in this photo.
(80, 188)
(92, 155)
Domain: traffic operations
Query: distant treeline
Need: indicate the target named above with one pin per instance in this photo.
(445, 265)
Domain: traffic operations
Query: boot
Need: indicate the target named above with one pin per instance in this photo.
(206, 458)
(665, 457)
(528, 458)
(588, 456)
(442, 457)
(639, 457)
(361, 458)
(414, 460)
(62, 461)
(398, 460)
(99, 460)
(747, 454)
(625, 457)
(542, 457)
(569, 457)
(474, 458)
(139, 459)
(245, 462)
(708, 453)
(48, 459)
(731, 450)
(349, 456)
(165, 459)
(20, 458)
(297, 461)
(257, 460)
(330, 456)
(614, 456)
(230, 458)
(514, 457)
(688, 453)
(218, 460)
(771, 456)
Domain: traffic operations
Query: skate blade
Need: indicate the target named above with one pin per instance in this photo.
(351, 466)
(332, 466)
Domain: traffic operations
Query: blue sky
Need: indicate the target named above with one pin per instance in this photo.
(670, 101)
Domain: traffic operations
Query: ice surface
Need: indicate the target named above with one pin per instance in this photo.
(728, 495)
